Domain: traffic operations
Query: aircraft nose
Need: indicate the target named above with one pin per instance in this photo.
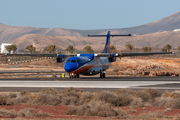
(69, 67)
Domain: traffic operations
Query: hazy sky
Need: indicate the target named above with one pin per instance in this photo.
(85, 14)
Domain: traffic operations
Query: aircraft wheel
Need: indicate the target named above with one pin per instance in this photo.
(71, 76)
(77, 76)
(103, 75)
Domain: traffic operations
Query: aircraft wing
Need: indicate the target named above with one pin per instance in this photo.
(40, 55)
(95, 54)
(129, 54)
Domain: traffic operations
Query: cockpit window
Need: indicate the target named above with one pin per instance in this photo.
(73, 61)
(78, 61)
(68, 61)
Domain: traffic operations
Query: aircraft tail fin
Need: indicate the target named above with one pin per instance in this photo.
(107, 45)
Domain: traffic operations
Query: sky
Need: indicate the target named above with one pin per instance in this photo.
(85, 14)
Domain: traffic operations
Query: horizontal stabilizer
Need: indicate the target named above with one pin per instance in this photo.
(108, 35)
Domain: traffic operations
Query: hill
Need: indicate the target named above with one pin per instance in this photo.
(9, 33)
(156, 40)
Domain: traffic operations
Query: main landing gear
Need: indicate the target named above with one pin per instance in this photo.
(102, 75)
(71, 76)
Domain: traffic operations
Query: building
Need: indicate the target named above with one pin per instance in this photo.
(3, 47)
(176, 29)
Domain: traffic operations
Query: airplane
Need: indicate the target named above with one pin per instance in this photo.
(90, 64)
(97, 63)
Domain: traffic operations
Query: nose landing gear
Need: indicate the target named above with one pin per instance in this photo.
(71, 76)
(102, 75)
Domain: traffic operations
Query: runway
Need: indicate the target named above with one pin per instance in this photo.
(91, 84)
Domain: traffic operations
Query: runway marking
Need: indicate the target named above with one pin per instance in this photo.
(87, 84)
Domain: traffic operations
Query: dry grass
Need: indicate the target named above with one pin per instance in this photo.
(12, 95)
(145, 96)
(93, 108)
(4, 112)
(24, 93)
(137, 102)
(154, 92)
(3, 98)
(114, 99)
(93, 104)
(46, 99)
(41, 114)
(49, 91)
(25, 112)
(171, 94)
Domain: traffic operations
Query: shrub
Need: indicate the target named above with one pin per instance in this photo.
(176, 104)
(108, 97)
(122, 114)
(70, 101)
(172, 94)
(137, 102)
(12, 95)
(3, 98)
(93, 108)
(73, 92)
(114, 99)
(6, 112)
(71, 111)
(154, 93)
(44, 99)
(25, 112)
(151, 115)
(23, 93)
(167, 101)
(124, 100)
(17, 100)
(145, 96)
(49, 91)
(86, 97)
(124, 91)
(41, 114)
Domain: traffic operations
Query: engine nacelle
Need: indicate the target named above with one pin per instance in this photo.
(60, 58)
(112, 58)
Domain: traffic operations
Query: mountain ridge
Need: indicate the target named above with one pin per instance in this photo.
(155, 40)
(9, 33)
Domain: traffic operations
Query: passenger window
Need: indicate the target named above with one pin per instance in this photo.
(73, 61)
(78, 61)
(68, 61)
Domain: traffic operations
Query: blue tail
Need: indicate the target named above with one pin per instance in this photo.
(107, 45)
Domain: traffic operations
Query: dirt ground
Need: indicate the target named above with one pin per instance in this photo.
(127, 66)
(58, 112)
(145, 67)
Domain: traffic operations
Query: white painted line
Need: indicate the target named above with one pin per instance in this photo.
(85, 84)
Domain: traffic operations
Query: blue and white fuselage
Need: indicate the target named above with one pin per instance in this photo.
(86, 64)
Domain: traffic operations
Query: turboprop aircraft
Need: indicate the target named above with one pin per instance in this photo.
(91, 64)
(97, 63)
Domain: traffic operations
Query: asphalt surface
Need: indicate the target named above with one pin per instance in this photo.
(91, 84)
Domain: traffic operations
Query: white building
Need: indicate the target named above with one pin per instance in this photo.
(176, 29)
(3, 47)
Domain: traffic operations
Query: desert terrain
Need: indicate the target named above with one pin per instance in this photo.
(128, 66)
(76, 104)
